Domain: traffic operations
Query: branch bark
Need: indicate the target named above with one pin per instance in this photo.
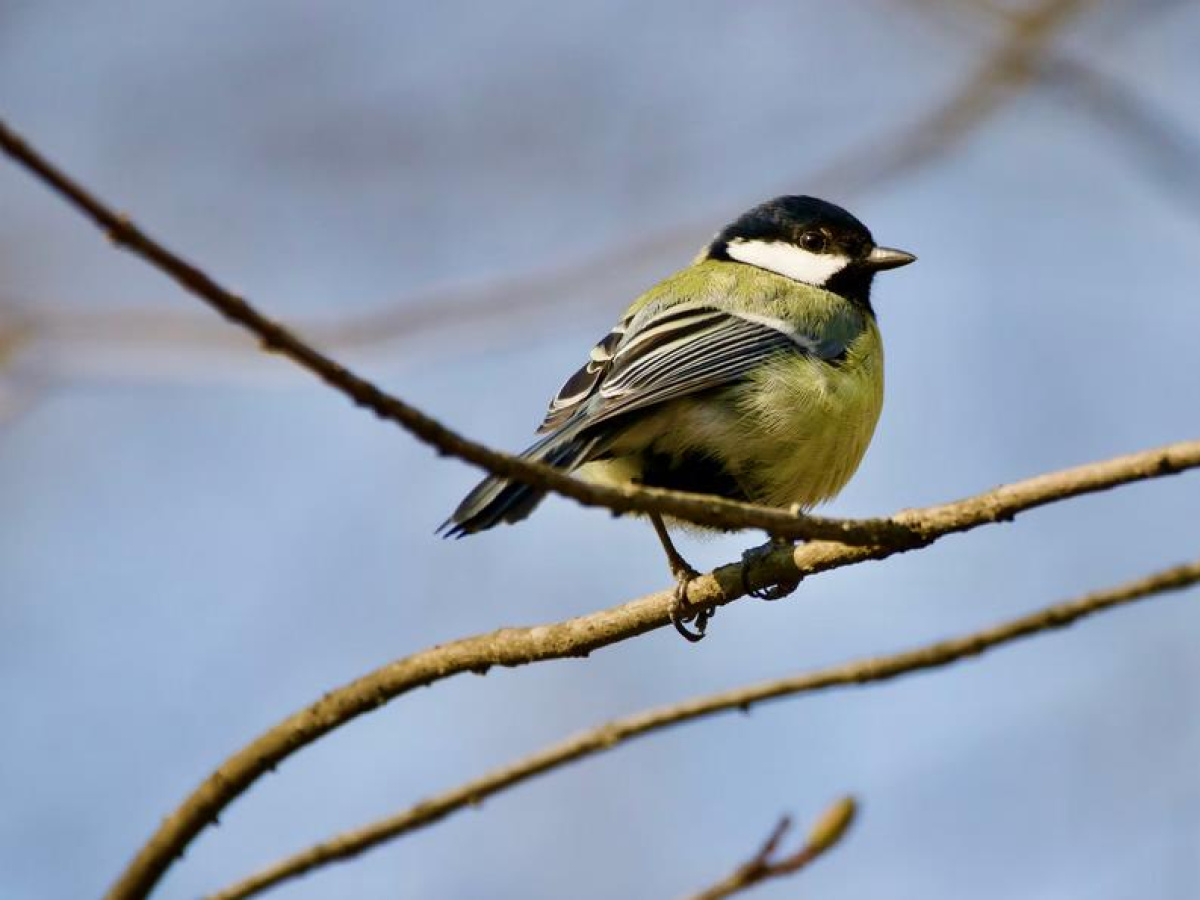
(828, 831)
(896, 532)
(847, 541)
(1014, 66)
(701, 509)
(580, 636)
(618, 731)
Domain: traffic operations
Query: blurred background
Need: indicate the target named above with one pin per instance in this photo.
(459, 198)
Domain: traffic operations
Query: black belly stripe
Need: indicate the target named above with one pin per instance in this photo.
(694, 472)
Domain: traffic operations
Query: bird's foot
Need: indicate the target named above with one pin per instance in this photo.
(682, 611)
(756, 555)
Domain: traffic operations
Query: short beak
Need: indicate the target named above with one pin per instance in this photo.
(886, 258)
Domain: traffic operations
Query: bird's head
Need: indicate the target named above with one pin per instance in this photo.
(810, 241)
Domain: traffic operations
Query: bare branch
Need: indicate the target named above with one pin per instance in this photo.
(580, 636)
(874, 539)
(698, 508)
(828, 831)
(611, 734)
(1013, 67)
(1156, 144)
(1149, 137)
(701, 509)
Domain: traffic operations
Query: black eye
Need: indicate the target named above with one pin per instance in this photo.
(813, 241)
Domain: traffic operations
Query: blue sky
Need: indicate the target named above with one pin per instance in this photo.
(200, 540)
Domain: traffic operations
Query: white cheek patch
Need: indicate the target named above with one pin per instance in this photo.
(788, 260)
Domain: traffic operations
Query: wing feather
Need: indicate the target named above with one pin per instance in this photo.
(681, 350)
(583, 383)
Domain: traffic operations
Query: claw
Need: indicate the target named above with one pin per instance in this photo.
(682, 612)
(752, 557)
(775, 591)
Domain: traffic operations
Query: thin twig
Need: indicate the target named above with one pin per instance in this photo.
(520, 298)
(580, 636)
(701, 509)
(1151, 138)
(1163, 151)
(611, 734)
(828, 831)
(888, 536)
(1013, 66)
(698, 508)
(877, 538)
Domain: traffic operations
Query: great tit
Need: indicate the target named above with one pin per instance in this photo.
(756, 373)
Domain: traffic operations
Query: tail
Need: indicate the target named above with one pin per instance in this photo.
(495, 500)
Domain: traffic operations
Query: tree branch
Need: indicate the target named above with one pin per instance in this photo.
(1012, 67)
(698, 508)
(604, 737)
(874, 539)
(580, 636)
(825, 834)
(1156, 144)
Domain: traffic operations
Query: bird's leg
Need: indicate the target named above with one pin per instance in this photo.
(755, 555)
(681, 614)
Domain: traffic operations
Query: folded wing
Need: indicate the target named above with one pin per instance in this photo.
(681, 350)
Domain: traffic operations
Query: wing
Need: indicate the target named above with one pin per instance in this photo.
(686, 348)
(580, 386)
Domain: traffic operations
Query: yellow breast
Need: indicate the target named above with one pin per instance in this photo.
(806, 424)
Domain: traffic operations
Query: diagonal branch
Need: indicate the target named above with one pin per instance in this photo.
(859, 540)
(1012, 67)
(701, 509)
(1155, 143)
(580, 636)
(611, 734)
(698, 508)
(828, 831)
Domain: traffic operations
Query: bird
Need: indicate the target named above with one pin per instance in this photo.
(755, 374)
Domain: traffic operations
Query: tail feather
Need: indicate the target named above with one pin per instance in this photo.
(495, 500)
